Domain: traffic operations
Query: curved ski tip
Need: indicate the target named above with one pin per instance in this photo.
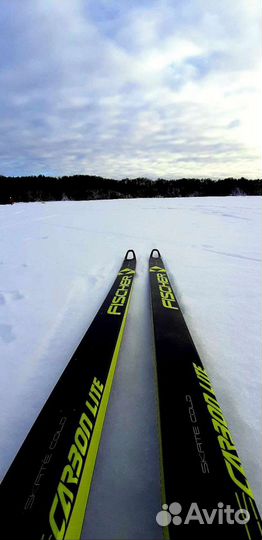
(133, 255)
(155, 256)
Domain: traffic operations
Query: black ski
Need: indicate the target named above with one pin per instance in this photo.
(45, 491)
(200, 463)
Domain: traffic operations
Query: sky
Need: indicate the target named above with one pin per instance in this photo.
(156, 88)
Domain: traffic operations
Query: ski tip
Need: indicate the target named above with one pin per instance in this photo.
(128, 253)
(152, 254)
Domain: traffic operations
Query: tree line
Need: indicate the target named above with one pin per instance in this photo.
(85, 187)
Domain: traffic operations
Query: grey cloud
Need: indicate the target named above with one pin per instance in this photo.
(233, 124)
(75, 96)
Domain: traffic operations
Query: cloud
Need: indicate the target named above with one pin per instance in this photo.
(123, 89)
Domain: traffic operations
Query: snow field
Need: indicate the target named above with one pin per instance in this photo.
(57, 262)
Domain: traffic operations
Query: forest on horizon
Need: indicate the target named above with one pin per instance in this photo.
(86, 187)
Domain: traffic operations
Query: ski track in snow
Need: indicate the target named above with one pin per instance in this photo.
(231, 254)
(58, 261)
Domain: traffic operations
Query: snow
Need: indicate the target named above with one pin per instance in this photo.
(57, 262)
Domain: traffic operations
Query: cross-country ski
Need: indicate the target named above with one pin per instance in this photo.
(201, 470)
(45, 491)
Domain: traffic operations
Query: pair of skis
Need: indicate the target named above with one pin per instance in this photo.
(45, 491)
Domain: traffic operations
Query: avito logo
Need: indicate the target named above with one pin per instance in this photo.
(220, 515)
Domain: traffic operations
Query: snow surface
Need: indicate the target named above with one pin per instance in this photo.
(58, 261)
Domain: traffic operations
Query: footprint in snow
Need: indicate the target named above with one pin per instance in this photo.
(96, 279)
(13, 295)
(6, 333)
(93, 279)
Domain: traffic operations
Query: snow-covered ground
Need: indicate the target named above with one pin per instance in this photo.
(57, 262)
